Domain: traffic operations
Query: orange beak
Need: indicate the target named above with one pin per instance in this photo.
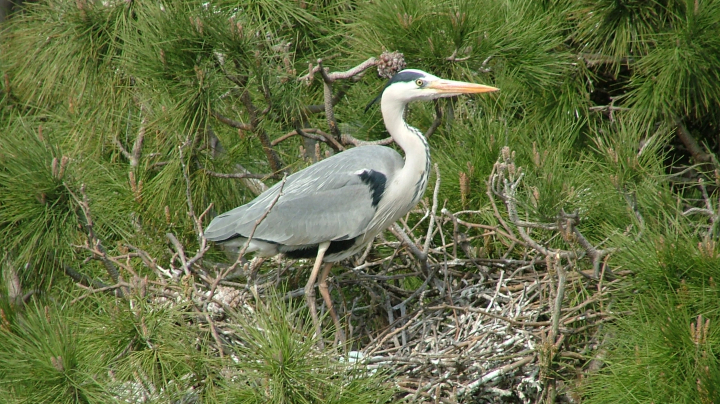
(459, 87)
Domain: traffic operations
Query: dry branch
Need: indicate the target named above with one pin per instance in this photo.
(314, 134)
(232, 123)
(349, 139)
(236, 175)
(336, 75)
(93, 243)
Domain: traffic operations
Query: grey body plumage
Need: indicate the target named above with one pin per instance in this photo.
(334, 208)
(333, 200)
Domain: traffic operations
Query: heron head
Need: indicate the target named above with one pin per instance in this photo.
(416, 85)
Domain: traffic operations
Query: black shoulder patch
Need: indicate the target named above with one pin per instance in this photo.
(376, 181)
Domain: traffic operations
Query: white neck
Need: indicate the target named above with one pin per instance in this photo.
(411, 140)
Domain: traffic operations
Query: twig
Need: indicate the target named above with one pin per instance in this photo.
(504, 182)
(254, 126)
(596, 255)
(314, 134)
(405, 239)
(273, 158)
(253, 184)
(329, 100)
(244, 248)
(396, 331)
(454, 58)
(83, 279)
(231, 122)
(92, 291)
(134, 157)
(691, 144)
(489, 314)
(495, 374)
(316, 109)
(181, 252)
(236, 175)
(94, 244)
(213, 332)
(436, 121)
(337, 75)
(433, 212)
(560, 294)
(349, 139)
(328, 97)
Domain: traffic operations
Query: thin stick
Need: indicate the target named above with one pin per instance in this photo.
(337, 75)
(431, 225)
(232, 267)
(562, 276)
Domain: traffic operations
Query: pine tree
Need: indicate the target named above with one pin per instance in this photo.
(593, 173)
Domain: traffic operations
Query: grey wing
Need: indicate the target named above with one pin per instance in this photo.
(334, 199)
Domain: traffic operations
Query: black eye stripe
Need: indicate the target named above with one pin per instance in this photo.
(406, 76)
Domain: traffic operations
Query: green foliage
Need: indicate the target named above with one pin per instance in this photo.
(666, 351)
(74, 46)
(104, 350)
(591, 95)
(620, 30)
(511, 44)
(45, 360)
(37, 210)
(679, 76)
(279, 363)
(150, 339)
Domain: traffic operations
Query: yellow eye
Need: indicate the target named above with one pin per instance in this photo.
(419, 82)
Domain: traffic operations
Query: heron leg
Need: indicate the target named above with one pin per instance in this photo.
(310, 289)
(322, 285)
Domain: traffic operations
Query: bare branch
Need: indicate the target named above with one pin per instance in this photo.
(691, 144)
(316, 109)
(236, 175)
(433, 211)
(231, 122)
(136, 154)
(454, 58)
(349, 139)
(559, 294)
(94, 244)
(311, 133)
(437, 121)
(244, 248)
(328, 97)
(495, 374)
(504, 181)
(254, 126)
(137, 145)
(92, 291)
(337, 75)
(273, 158)
(123, 150)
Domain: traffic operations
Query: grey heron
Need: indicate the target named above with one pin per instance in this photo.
(335, 207)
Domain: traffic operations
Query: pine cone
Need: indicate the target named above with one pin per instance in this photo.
(390, 63)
